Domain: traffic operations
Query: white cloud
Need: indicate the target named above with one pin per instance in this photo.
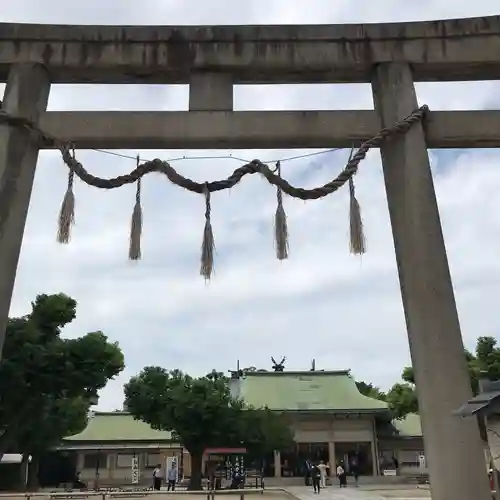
(322, 303)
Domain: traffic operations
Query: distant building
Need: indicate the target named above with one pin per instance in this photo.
(107, 446)
(331, 420)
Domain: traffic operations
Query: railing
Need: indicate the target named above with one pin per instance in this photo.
(117, 493)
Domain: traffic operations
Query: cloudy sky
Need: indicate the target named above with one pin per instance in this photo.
(321, 303)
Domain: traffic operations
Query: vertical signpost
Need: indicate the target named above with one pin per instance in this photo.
(135, 469)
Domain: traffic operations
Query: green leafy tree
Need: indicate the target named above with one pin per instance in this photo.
(263, 431)
(201, 414)
(249, 369)
(47, 382)
(370, 390)
(484, 363)
(57, 419)
(402, 399)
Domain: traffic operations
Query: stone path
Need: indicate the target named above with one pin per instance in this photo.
(336, 493)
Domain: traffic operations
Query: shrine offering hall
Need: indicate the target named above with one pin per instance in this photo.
(331, 421)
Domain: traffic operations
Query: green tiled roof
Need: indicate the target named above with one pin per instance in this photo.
(410, 426)
(118, 426)
(306, 391)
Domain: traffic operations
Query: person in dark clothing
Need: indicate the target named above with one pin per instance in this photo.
(316, 478)
(355, 471)
(77, 483)
(157, 478)
(307, 472)
(341, 474)
(172, 476)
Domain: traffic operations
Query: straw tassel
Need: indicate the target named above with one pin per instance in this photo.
(208, 244)
(67, 212)
(357, 237)
(134, 252)
(280, 223)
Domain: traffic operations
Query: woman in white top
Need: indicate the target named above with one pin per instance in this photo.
(322, 473)
(342, 476)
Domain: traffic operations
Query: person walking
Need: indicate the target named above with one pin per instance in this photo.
(355, 471)
(157, 478)
(322, 473)
(307, 472)
(316, 478)
(172, 477)
(341, 474)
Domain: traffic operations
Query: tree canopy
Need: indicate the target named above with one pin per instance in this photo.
(402, 397)
(370, 390)
(202, 414)
(47, 383)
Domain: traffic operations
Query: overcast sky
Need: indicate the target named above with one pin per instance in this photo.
(321, 303)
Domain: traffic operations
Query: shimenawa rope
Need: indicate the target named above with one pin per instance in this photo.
(357, 240)
(134, 252)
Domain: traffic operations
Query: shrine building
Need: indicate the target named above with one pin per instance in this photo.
(331, 421)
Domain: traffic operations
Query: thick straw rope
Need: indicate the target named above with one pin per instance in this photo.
(255, 166)
(66, 216)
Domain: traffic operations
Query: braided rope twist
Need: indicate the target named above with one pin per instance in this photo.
(255, 166)
(279, 190)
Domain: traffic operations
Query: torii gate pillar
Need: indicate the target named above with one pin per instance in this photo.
(453, 447)
(26, 96)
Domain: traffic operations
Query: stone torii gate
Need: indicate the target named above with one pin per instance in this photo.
(211, 60)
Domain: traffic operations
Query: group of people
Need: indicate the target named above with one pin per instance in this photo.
(171, 477)
(317, 472)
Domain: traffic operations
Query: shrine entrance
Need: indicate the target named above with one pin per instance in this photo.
(213, 59)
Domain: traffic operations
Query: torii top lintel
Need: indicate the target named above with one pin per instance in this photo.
(455, 49)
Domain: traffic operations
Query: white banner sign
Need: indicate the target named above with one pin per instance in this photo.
(135, 470)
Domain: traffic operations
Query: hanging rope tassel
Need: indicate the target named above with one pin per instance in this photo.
(357, 237)
(134, 252)
(280, 224)
(67, 212)
(208, 244)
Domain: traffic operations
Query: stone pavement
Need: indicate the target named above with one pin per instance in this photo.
(351, 493)
(334, 493)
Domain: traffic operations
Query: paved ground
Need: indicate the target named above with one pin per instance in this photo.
(351, 493)
(149, 495)
(300, 492)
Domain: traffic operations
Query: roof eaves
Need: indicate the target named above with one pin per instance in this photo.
(363, 411)
(296, 373)
(482, 403)
(120, 440)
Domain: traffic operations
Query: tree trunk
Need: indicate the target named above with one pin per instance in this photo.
(33, 470)
(195, 479)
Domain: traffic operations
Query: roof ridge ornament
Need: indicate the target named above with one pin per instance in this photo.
(279, 367)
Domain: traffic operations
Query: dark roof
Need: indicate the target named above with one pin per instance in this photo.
(486, 402)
